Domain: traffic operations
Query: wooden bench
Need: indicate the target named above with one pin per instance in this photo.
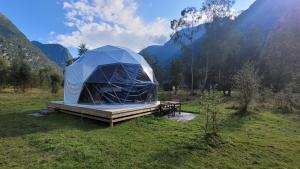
(170, 107)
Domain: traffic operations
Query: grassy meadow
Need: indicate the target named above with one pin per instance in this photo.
(264, 139)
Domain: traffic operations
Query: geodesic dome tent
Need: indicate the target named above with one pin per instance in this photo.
(110, 75)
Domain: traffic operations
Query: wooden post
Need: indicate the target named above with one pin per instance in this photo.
(160, 110)
(179, 108)
(111, 123)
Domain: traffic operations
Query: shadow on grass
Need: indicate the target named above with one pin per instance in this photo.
(177, 155)
(19, 124)
(235, 121)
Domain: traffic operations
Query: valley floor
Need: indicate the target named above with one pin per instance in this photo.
(262, 140)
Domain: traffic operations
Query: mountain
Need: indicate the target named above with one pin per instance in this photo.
(272, 28)
(15, 45)
(170, 50)
(278, 28)
(55, 52)
(268, 32)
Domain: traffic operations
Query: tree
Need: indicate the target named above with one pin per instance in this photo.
(34, 79)
(3, 73)
(55, 82)
(20, 74)
(14, 73)
(220, 54)
(176, 73)
(218, 8)
(44, 77)
(184, 29)
(296, 81)
(288, 99)
(24, 75)
(210, 103)
(82, 49)
(284, 101)
(212, 113)
(246, 82)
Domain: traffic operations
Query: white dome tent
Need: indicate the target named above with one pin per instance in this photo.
(110, 76)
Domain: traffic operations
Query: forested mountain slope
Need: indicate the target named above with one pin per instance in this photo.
(15, 45)
(271, 29)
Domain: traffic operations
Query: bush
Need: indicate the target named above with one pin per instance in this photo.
(20, 74)
(55, 82)
(246, 82)
(44, 77)
(266, 94)
(287, 101)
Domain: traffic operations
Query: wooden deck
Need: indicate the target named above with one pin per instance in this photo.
(113, 115)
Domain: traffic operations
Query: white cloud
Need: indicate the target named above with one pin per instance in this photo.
(52, 33)
(114, 22)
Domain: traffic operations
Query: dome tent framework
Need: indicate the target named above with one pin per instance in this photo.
(110, 84)
(110, 75)
(119, 83)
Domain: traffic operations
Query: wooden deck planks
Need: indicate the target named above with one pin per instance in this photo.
(108, 116)
(114, 115)
(81, 110)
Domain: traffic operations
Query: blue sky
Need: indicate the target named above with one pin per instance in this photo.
(118, 23)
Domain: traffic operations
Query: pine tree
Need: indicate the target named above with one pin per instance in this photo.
(82, 49)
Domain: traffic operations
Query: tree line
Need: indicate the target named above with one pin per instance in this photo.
(227, 58)
(19, 75)
(224, 49)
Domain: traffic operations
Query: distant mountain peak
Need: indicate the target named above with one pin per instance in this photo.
(55, 52)
(170, 50)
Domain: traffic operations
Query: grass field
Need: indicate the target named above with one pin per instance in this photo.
(261, 140)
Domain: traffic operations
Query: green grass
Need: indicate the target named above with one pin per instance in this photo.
(262, 140)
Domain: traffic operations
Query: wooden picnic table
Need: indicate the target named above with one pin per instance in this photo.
(170, 107)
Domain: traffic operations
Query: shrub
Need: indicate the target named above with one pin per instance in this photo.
(20, 74)
(210, 102)
(55, 82)
(246, 82)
